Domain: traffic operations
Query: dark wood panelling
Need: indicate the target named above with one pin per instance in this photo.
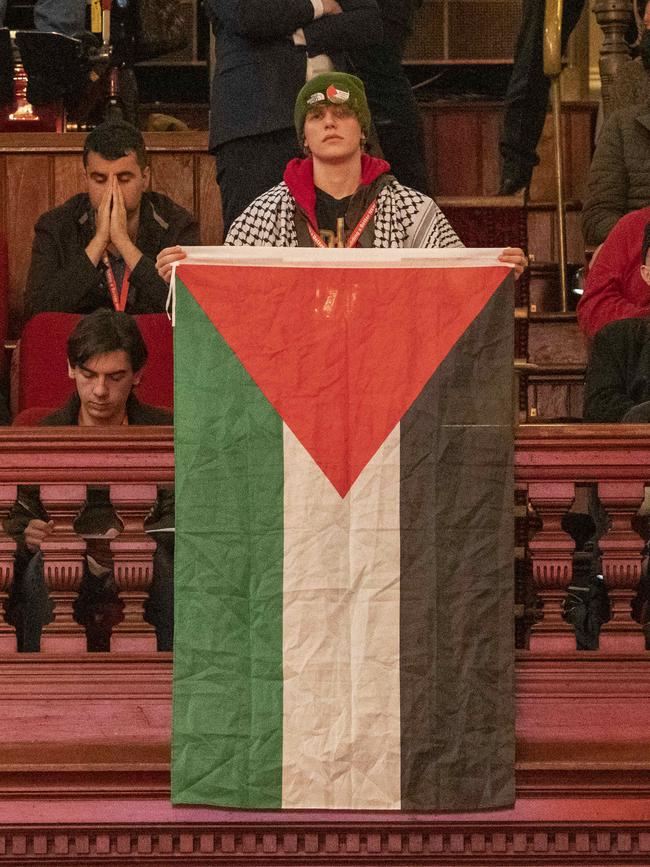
(457, 166)
(542, 233)
(173, 175)
(69, 177)
(209, 202)
(461, 141)
(578, 122)
(28, 195)
(556, 343)
(553, 401)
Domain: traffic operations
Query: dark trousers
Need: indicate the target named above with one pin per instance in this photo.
(528, 88)
(248, 167)
(30, 607)
(393, 107)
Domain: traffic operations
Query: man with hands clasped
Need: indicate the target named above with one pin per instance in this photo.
(98, 249)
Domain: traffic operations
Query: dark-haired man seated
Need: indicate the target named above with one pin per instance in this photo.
(99, 248)
(106, 355)
(617, 383)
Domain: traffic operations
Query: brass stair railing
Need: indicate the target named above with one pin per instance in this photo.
(553, 68)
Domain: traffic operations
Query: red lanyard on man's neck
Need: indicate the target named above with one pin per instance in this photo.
(119, 301)
(354, 235)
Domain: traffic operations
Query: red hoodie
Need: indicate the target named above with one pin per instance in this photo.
(614, 288)
(299, 177)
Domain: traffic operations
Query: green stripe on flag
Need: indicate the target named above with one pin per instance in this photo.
(227, 726)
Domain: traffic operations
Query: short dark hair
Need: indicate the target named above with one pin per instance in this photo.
(646, 243)
(115, 139)
(106, 331)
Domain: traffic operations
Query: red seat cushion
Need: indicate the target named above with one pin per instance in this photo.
(43, 370)
(32, 415)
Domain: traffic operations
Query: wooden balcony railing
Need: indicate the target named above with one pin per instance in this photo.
(84, 765)
(554, 465)
(64, 462)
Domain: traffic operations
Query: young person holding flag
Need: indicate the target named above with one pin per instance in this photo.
(338, 195)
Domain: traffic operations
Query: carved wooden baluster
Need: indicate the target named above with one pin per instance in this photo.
(7, 552)
(63, 567)
(133, 567)
(613, 17)
(551, 551)
(621, 549)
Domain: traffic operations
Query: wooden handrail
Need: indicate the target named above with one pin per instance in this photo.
(86, 455)
(582, 452)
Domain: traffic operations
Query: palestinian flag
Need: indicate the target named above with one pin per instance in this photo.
(344, 543)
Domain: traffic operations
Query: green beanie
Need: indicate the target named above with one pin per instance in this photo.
(332, 88)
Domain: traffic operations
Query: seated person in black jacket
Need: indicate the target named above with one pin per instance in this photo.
(106, 354)
(617, 384)
(99, 248)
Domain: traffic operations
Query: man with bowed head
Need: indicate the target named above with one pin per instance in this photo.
(106, 356)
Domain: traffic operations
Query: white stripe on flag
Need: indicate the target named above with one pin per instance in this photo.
(341, 738)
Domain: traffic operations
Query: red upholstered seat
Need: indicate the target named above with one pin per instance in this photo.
(43, 371)
(32, 415)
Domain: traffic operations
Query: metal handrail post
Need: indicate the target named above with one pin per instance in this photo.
(553, 68)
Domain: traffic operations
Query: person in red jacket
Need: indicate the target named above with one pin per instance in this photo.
(614, 288)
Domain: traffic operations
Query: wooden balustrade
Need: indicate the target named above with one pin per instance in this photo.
(131, 463)
(551, 551)
(133, 566)
(7, 551)
(84, 766)
(550, 461)
(63, 567)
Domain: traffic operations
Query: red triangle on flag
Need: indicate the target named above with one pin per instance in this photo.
(341, 353)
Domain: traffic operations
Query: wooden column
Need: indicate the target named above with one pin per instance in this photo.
(551, 551)
(7, 552)
(613, 17)
(133, 566)
(621, 549)
(63, 567)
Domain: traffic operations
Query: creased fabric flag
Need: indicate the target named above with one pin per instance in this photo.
(344, 532)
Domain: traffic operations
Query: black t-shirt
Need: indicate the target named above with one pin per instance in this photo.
(329, 210)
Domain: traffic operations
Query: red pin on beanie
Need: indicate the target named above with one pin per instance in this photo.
(337, 96)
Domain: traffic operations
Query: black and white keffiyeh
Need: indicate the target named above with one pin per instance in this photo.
(404, 218)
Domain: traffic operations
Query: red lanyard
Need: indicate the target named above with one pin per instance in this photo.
(354, 235)
(119, 302)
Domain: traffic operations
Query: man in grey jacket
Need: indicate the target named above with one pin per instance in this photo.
(619, 177)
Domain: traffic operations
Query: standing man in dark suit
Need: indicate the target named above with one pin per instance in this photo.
(266, 50)
(527, 94)
(392, 104)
